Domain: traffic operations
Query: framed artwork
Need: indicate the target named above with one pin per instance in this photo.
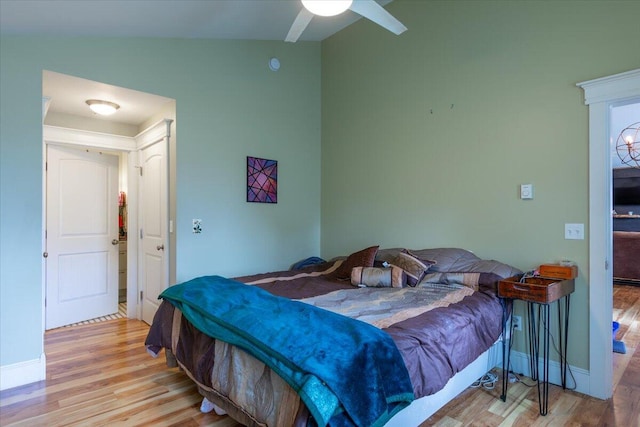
(262, 180)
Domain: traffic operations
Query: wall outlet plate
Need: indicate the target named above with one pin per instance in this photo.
(516, 322)
(526, 191)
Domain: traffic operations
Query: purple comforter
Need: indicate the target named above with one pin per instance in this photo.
(435, 345)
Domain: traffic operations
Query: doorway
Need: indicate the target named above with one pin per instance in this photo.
(601, 95)
(67, 121)
(625, 129)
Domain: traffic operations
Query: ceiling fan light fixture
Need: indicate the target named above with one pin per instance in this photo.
(326, 7)
(104, 108)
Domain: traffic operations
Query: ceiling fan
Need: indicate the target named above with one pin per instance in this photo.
(367, 8)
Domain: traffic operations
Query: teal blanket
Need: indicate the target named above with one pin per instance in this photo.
(347, 372)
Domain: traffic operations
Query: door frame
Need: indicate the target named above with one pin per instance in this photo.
(601, 95)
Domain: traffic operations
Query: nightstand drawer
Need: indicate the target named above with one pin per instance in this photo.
(535, 289)
(558, 271)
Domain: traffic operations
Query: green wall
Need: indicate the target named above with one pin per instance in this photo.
(229, 105)
(427, 136)
(425, 140)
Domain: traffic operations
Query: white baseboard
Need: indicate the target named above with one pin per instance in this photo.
(22, 373)
(579, 381)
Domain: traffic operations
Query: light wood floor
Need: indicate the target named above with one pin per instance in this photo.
(479, 407)
(100, 374)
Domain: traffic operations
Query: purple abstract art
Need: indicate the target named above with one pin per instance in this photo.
(262, 180)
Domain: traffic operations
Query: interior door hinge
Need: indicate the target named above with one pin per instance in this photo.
(141, 295)
(606, 264)
(140, 167)
(141, 233)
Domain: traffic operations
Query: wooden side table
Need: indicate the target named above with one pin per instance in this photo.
(539, 293)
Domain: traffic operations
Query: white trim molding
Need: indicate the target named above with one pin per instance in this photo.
(67, 136)
(611, 88)
(17, 374)
(577, 378)
(153, 134)
(601, 95)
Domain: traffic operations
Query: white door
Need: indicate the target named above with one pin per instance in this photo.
(82, 236)
(154, 271)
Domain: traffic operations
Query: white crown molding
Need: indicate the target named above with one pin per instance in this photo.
(617, 87)
(154, 133)
(67, 136)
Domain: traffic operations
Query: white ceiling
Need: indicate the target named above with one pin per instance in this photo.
(205, 19)
(68, 95)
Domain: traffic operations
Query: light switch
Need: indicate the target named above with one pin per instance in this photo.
(526, 191)
(574, 231)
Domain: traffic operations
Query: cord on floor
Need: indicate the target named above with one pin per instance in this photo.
(487, 381)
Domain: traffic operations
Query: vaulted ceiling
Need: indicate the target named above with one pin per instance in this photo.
(209, 19)
(197, 19)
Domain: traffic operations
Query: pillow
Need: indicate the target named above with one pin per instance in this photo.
(428, 262)
(412, 266)
(387, 255)
(493, 266)
(363, 258)
(476, 281)
(448, 259)
(375, 277)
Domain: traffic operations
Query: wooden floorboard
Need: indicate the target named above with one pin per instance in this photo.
(100, 374)
(480, 407)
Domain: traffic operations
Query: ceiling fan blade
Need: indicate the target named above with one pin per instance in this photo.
(378, 14)
(301, 22)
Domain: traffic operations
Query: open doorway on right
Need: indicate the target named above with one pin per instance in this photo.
(625, 161)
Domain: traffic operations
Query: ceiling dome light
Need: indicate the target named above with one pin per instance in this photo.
(104, 108)
(326, 7)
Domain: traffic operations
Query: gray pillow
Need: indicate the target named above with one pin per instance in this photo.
(447, 259)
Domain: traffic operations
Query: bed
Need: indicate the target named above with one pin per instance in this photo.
(437, 307)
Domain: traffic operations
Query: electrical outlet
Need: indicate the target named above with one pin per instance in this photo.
(197, 226)
(516, 321)
(526, 191)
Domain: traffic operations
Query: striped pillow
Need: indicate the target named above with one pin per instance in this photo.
(414, 268)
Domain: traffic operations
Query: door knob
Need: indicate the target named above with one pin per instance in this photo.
(160, 247)
(114, 242)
